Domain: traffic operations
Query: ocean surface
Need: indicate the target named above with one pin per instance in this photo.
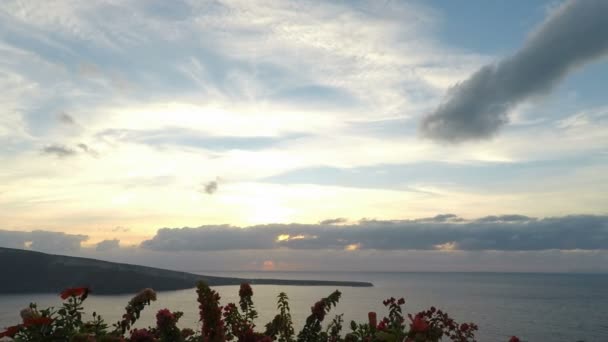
(536, 307)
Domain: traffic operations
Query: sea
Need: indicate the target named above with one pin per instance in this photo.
(535, 307)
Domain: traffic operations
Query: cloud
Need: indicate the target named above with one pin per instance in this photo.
(56, 241)
(59, 151)
(211, 187)
(66, 119)
(504, 218)
(62, 151)
(500, 233)
(442, 218)
(107, 245)
(338, 220)
(85, 148)
(41, 240)
(477, 108)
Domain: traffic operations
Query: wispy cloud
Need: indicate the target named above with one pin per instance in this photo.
(59, 151)
(479, 106)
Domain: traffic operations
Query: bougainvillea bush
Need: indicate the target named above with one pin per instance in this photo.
(232, 322)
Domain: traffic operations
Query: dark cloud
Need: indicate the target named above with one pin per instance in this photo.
(67, 119)
(62, 151)
(442, 218)
(54, 242)
(213, 238)
(85, 148)
(338, 220)
(210, 187)
(59, 151)
(501, 233)
(574, 34)
(107, 245)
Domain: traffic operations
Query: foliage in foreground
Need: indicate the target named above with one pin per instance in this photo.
(233, 322)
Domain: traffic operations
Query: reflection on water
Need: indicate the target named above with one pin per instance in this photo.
(539, 307)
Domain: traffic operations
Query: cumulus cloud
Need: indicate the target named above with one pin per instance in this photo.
(41, 240)
(213, 238)
(501, 233)
(574, 34)
(59, 151)
(107, 245)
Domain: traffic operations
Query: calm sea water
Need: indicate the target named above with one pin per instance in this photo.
(537, 307)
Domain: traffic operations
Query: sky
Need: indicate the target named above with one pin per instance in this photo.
(307, 135)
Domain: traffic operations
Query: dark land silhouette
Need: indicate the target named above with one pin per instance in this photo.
(35, 272)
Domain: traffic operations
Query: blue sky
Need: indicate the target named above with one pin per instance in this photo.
(120, 114)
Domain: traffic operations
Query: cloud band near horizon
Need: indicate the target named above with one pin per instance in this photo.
(443, 233)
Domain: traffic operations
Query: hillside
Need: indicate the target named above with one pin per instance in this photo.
(34, 272)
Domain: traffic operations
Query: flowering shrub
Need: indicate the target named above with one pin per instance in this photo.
(233, 323)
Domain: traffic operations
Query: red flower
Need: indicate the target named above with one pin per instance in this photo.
(10, 331)
(514, 339)
(373, 320)
(418, 324)
(142, 335)
(381, 326)
(81, 292)
(401, 301)
(37, 321)
(165, 318)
